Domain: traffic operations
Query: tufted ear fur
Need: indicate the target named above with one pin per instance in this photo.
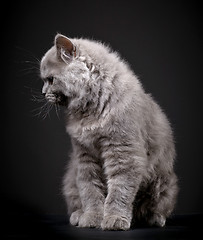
(65, 48)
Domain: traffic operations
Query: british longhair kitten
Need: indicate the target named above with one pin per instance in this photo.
(121, 167)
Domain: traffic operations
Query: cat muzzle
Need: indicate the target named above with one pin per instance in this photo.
(58, 98)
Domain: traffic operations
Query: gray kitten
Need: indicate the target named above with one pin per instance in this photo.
(121, 167)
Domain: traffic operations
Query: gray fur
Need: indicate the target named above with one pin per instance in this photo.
(121, 168)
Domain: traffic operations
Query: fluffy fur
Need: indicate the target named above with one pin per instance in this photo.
(121, 167)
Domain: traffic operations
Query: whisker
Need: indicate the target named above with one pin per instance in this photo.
(29, 53)
(47, 110)
(37, 98)
(31, 64)
(34, 90)
(36, 95)
(29, 68)
(43, 110)
(57, 110)
(38, 110)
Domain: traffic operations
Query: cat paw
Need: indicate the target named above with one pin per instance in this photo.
(75, 217)
(115, 223)
(157, 220)
(91, 220)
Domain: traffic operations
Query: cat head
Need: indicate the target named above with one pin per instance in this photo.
(63, 72)
(82, 75)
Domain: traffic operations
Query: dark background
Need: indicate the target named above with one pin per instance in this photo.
(161, 41)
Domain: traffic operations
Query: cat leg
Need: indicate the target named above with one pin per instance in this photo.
(70, 191)
(124, 173)
(159, 200)
(91, 189)
(164, 198)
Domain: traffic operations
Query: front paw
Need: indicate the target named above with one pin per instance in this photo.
(75, 217)
(90, 219)
(115, 223)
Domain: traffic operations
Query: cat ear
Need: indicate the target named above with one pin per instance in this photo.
(65, 48)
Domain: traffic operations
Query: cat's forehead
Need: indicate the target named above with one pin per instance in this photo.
(49, 64)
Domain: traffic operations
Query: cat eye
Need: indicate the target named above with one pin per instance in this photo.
(50, 80)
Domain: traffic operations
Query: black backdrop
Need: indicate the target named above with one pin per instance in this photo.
(160, 39)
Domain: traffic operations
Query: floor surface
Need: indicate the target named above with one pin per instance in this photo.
(29, 226)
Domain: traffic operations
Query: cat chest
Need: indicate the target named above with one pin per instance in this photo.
(88, 137)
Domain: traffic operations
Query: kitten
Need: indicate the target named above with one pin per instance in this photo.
(121, 167)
